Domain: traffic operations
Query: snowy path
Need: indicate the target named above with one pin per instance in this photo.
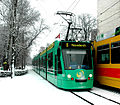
(96, 100)
(31, 89)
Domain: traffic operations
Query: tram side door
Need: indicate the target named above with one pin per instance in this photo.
(57, 62)
(58, 68)
(46, 66)
(56, 65)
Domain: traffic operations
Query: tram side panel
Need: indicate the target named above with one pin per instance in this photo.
(107, 62)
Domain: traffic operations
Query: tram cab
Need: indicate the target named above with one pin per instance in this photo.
(77, 65)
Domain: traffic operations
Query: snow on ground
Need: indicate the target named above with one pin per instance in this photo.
(31, 89)
(111, 95)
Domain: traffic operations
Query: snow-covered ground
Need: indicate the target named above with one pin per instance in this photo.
(31, 89)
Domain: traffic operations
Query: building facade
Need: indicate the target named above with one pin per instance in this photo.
(108, 17)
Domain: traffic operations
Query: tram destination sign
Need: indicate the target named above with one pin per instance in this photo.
(82, 45)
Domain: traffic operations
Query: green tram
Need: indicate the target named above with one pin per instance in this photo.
(66, 64)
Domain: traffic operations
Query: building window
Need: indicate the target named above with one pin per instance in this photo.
(115, 52)
(103, 56)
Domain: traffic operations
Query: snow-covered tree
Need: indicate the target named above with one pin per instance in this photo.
(87, 24)
(20, 20)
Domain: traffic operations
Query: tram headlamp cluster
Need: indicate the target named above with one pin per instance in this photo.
(76, 40)
(90, 75)
(69, 76)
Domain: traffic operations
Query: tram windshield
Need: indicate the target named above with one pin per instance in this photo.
(77, 59)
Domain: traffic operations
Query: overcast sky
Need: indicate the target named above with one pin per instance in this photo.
(48, 10)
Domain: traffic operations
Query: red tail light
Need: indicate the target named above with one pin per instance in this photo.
(88, 78)
(72, 78)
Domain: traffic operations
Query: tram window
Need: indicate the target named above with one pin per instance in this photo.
(103, 56)
(37, 64)
(76, 59)
(50, 60)
(58, 52)
(44, 62)
(41, 62)
(115, 44)
(115, 52)
(117, 31)
(93, 52)
(59, 66)
(103, 47)
(55, 64)
(59, 63)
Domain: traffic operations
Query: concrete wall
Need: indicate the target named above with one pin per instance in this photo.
(108, 15)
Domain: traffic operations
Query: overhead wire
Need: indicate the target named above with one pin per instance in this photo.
(71, 5)
(108, 8)
(109, 17)
(66, 11)
(75, 5)
(109, 21)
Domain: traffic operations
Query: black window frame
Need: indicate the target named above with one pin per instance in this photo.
(88, 57)
(103, 54)
(115, 52)
(50, 60)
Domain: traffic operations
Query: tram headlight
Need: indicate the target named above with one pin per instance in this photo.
(90, 75)
(76, 40)
(69, 76)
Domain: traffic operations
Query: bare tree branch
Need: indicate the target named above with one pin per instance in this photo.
(88, 24)
(26, 18)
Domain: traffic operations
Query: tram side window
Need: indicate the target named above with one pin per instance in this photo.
(50, 60)
(59, 62)
(93, 52)
(59, 66)
(117, 31)
(44, 63)
(37, 64)
(103, 56)
(41, 65)
(115, 52)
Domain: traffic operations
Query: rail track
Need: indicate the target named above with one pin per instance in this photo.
(98, 96)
